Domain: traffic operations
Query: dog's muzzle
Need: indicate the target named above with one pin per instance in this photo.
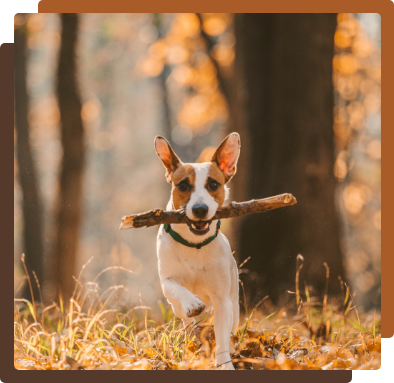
(199, 227)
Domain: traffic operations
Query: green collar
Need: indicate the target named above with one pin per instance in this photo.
(183, 241)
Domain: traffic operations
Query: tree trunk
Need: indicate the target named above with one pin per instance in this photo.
(69, 195)
(162, 78)
(283, 110)
(32, 209)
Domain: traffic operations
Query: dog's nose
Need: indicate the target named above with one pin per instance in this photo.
(200, 210)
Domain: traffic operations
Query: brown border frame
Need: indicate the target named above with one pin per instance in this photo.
(386, 10)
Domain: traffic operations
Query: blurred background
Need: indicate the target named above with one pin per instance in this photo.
(93, 90)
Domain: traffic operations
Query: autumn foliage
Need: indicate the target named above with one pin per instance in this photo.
(310, 335)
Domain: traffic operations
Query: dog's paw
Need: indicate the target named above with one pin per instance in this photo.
(225, 366)
(193, 307)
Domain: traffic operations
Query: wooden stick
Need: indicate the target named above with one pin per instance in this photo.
(235, 209)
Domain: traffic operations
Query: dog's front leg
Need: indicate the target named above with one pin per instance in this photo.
(223, 321)
(184, 304)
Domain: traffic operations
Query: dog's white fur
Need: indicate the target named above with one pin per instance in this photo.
(192, 278)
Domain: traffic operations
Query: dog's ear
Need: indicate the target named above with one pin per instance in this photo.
(167, 156)
(226, 155)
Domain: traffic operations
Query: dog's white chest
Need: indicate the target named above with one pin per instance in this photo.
(197, 269)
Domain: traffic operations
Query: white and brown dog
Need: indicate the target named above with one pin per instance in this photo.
(197, 269)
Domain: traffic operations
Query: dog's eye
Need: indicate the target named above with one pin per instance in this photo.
(213, 185)
(183, 186)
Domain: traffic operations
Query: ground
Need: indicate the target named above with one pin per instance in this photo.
(88, 335)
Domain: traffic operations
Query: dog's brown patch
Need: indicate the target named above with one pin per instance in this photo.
(216, 174)
(180, 198)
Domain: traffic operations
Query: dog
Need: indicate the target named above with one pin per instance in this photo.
(196, 266)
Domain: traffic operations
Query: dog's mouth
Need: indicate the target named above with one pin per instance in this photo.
(199, 227)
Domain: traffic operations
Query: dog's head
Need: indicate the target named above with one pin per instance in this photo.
(199, 188)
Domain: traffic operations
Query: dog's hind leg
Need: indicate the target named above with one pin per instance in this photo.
(235, 303)
(234, 327)
(223, 320)
(234, 296)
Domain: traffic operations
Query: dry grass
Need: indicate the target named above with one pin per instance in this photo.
(89, 335)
